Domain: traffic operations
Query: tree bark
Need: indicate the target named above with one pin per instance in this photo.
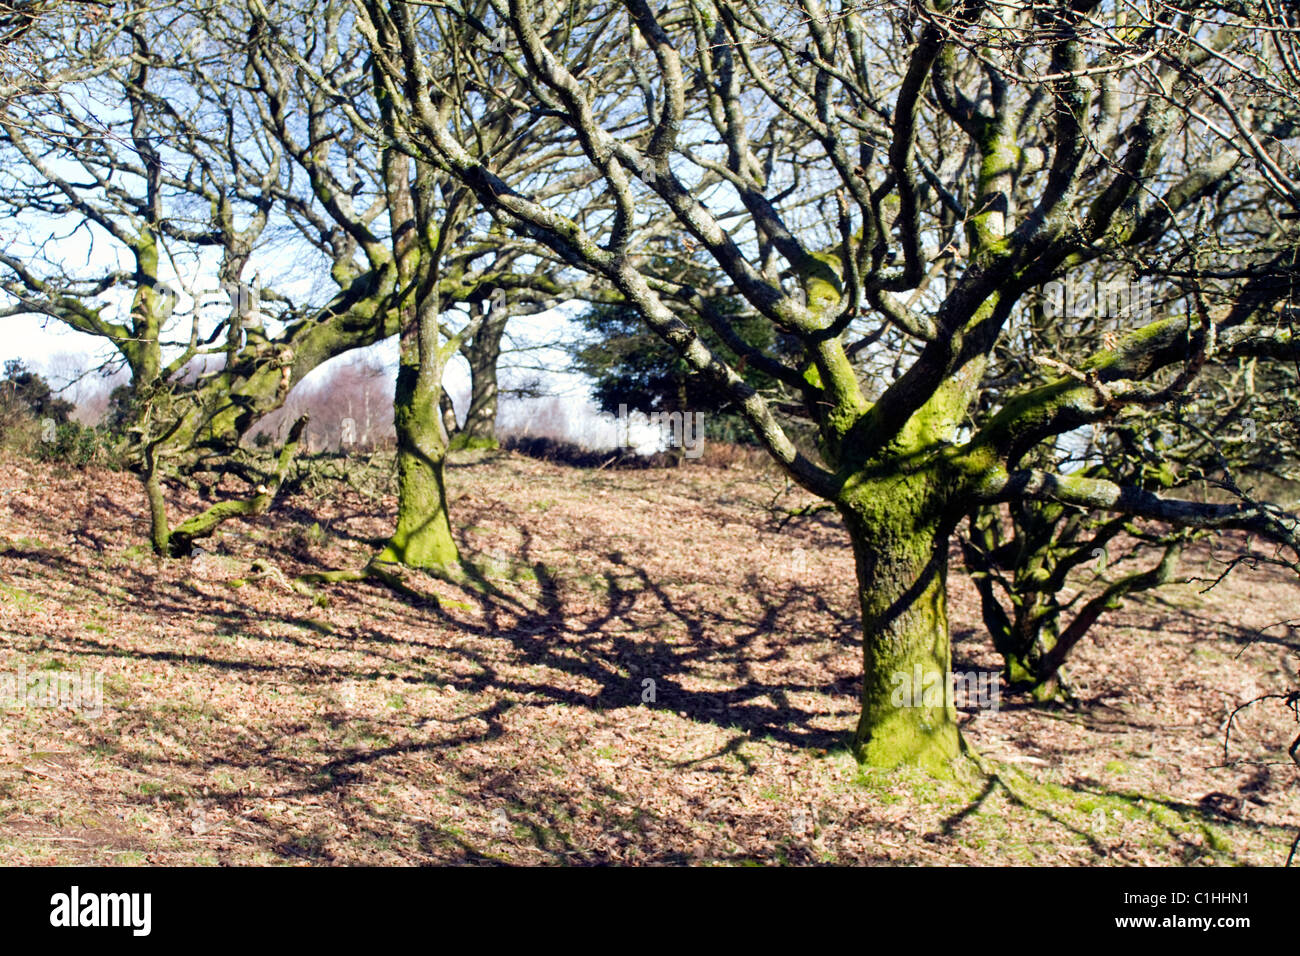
(423, 536)
(483, 353)
(159, 532)
(900, 549)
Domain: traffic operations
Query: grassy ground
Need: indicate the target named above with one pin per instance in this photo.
(660, 677)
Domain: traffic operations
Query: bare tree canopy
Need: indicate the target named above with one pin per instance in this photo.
(894, 186)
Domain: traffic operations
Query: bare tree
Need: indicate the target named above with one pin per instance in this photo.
(119, 159)
(207, 139)
(824, 164)
(450, 278)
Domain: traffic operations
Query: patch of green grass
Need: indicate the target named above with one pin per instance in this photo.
(320, 627)
(22, 599)
(1217, 841)
(32, 544)
(903, 785)
(1103, 816)
(315, 535)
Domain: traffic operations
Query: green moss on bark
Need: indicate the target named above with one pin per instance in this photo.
(464, 441)
(900, 547)
(423, 537)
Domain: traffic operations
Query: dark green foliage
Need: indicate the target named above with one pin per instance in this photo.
(75, 444)
(632, 366)
(35, 421)
(23, 390)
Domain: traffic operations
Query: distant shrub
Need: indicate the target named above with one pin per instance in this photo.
(715, 455)
(20, 431)
(570, 453)
(79, 446)
(35, 422)
(23, 391)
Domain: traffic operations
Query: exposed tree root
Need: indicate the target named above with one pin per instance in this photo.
(373, 571)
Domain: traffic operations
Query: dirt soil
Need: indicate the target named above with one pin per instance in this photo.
(657, 674)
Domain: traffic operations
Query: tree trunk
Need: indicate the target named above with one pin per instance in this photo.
(480, 430)
(1033, 635)
(423, 536)
(908, 716)
(449, 424)
(159, 532)
(1023, 637)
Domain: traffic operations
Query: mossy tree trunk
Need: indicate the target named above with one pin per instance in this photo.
(1034, 633)
(151, 399)
(900, 545)
(423, 537)
(1024, 568)
(902, 459)
(150, 465)
(159, 531)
